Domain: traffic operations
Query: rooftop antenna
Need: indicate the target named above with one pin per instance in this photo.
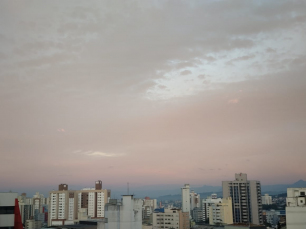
(128, 188)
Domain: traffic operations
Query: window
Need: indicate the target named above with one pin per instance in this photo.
(7, 210)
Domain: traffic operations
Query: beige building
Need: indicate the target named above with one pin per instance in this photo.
(246, 199)
(296, 208)
(221, 213)
(266, 199)
(66, 205)
(171, 218)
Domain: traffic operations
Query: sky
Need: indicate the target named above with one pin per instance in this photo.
(151, 92)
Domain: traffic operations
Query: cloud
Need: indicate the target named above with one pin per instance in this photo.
(186, 72)
(202, 76)
(102, 154)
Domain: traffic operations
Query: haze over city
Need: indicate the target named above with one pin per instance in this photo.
(151, 92)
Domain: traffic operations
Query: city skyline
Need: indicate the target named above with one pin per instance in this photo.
(151, 93)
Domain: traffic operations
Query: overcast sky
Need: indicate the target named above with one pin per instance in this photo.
(151, 92)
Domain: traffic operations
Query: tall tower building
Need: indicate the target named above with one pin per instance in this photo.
(246, 199)
(186, 198)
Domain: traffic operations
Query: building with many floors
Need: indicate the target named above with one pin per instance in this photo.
(186, 198)
(124, 214)
(266, 199)
(206, 203)
(171, 218)
(221, 213)
(246, 199)
(148, 207)
(65, 205)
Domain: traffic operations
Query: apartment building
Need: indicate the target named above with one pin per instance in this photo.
(266, 199)
(65, 204)
(148, 207)
(221, 213)
(186, 198)
(246, 198)
(296, 208)
(206, 203)
(194, 200)
(171, 218)
(26, 209)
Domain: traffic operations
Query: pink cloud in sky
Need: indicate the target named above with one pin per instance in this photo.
(117, 72)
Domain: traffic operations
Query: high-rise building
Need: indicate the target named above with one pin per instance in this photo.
(125, 214)
(246, 198)
(266, 199)
(186, 198)
(148, 207)
(221, 213)
(65, 205)
(296, 208)
(206, 203)
(171, 218)
(194, 200)
(26, 209)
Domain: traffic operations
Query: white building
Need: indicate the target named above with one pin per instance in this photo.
(186, 198)
(246, 197)
(296, 208)
(206, 203)
(272, 216)
(266, 199)
(194, 200)
(171, 218)
(65, 204)
(124, 214)
(7, 207)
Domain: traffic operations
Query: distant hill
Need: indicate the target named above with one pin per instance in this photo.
(282, 188)
(206, 190)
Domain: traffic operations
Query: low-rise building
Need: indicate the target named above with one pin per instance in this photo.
(171, 218)
(33, 224)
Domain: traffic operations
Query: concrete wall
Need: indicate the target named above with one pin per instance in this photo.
(296, 217)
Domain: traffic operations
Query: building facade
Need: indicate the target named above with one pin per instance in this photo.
(65, 205)
(7, 210)
(266, 199)
(246, 198)
(171, 218)
(206, 203)
(124, 214)
(221, 213)
(186, 198)
(194, 200)
(296, 208)
(148, 207)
